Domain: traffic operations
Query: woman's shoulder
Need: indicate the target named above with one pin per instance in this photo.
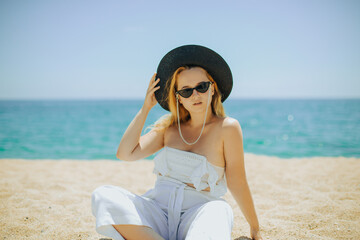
(229, 125)
(229, 122)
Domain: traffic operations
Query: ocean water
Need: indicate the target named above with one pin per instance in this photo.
(92, 129)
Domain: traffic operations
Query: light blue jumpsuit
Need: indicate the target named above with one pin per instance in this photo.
(173, 209)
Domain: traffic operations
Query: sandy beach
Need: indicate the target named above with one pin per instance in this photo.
(309, 198)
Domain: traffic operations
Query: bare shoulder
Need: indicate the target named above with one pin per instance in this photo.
(230, 126)
(170, 130)
(170, 135)
(233, 148)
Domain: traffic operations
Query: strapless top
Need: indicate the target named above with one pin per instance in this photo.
(189, 167)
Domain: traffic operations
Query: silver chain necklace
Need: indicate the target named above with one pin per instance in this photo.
(177, 109)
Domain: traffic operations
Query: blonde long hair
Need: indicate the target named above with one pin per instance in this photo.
(170, 119)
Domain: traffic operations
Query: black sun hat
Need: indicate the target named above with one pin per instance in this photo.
(193, 55)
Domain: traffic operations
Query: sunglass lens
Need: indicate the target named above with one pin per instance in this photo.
(203, 87)
(186, 92)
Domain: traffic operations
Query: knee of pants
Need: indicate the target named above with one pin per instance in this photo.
(101, 192)
(213, 220)
(106, 194)
(220, 210)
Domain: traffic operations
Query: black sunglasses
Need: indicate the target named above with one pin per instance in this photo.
(201, 88)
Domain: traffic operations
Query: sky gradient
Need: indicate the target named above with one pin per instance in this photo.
(110, 49)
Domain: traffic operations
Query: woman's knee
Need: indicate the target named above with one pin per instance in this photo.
(106, 195)
(107, 191)
(99, 192)
(219, 211)
(220, 206)
(213, 220)
(214, 212)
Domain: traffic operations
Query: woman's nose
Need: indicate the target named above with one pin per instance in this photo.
(195, 93)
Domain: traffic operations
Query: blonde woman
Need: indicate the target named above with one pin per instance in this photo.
(201, 157)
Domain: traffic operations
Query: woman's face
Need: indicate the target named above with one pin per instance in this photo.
(190, 78)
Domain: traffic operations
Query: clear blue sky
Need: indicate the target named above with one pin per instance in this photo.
(110, 49)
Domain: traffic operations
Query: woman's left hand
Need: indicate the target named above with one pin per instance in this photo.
(255, 235)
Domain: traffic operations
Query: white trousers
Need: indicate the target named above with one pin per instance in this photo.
(172, 209)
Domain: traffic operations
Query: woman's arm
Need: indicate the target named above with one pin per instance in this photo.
(133, 146)
(235, 173)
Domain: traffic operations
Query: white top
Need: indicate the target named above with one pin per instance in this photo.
(189, 167)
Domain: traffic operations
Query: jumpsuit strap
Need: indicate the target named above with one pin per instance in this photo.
(174, 204)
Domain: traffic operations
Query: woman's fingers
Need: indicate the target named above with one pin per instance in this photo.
(152, 79)
(151, 91)
(153, 84)
(154, 89)
(150, 99)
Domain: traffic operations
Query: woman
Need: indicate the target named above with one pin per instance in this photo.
(202, 155)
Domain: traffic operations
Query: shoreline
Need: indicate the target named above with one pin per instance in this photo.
(251, 155)
(297, 198)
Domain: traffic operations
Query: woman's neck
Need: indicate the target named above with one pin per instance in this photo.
(197, 119)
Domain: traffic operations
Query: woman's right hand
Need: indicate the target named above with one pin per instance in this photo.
(150, 100)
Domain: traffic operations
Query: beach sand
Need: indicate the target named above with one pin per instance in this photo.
(309, 198)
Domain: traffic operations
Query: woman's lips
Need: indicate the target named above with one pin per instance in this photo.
(199, 103)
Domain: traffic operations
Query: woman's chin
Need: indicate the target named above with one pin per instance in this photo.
(196, 109)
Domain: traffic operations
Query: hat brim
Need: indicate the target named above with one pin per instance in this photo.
(190, 55)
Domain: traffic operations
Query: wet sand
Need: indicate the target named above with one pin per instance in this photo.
(308, 198)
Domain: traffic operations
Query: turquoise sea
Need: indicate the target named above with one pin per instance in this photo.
(92, 129)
